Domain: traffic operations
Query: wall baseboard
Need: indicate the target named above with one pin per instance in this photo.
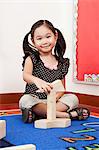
(88, 99)
(10, 98)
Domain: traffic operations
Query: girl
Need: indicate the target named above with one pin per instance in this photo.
(44, 63)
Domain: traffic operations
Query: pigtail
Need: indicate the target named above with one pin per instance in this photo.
(60, 46)
(28, 49)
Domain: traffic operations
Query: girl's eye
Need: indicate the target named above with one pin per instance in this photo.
(48, 36)
(39, 38)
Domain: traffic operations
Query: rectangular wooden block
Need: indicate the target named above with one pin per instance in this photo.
(2, 129)
(51, 106)
(58, 86)
(21, 147)
(51, 99)
(55, 123)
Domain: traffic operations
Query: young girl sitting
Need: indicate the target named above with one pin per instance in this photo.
(44, 63)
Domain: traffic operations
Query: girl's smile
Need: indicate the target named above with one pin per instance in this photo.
(45, 46)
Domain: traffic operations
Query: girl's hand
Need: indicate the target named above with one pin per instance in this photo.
(43, 85)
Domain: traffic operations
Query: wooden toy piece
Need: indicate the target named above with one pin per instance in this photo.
(51, 99)
(2, 129)
(52, 121)
(58, 86)
(51, 106)
(55, 123)
(21, 147)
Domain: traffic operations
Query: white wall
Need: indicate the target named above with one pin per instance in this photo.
(16, 19)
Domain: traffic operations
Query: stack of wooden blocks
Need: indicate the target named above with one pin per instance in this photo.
(52, 121)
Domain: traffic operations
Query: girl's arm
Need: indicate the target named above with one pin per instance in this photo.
(60, 94)
(42, 85)
(27, 72)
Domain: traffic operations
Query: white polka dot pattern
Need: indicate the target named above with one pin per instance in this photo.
(40, 71)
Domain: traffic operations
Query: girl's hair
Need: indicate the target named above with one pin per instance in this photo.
(60, 46)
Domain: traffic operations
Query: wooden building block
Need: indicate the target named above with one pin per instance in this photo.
(51, 106)
(52, 121)
(21, 147)
(58, 86)
(55, 123)
(2, 129)
(51, 99)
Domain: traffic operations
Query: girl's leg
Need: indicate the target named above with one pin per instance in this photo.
(61, 107)
(77, 113)
(67, 107)
(40, 109)
(30, 106)
(66, 102)
(70, 100)
(61, 110)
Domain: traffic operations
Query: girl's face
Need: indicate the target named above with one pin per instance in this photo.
(44, 39)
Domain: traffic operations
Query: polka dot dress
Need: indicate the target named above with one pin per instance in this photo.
(46, 74)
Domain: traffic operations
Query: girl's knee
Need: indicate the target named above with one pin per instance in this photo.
(71, 97)
(25, 101)
(70, 100)
(21, 101)
(75, 98)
